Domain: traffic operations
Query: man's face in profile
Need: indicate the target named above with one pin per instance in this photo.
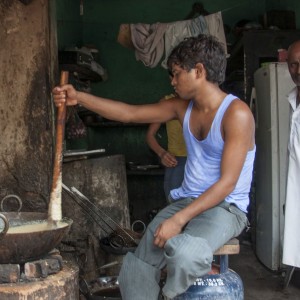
(293, 61)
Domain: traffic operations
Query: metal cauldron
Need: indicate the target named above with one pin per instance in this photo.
(26, 236)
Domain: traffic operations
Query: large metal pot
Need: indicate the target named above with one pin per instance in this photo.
(26, 236)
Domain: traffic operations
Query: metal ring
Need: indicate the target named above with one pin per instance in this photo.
(6, 225)
(11, 196)
(137, 222)
(114, 243)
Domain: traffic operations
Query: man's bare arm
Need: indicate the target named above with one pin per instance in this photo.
(116, 110)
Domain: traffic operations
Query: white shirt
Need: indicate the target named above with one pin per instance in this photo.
(291, 242)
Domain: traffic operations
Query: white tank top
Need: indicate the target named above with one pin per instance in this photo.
(203, 166)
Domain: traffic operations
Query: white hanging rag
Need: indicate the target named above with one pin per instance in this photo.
(148, 41)
(216, 28)
(178, 31)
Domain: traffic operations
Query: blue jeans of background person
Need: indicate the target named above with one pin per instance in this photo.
(187, 256)
(174, 176)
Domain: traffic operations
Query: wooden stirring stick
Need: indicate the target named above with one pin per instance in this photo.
(55, 210)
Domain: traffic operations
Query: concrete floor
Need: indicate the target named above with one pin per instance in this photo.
(259, 282)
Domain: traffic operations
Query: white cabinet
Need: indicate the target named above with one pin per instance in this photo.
(272, 84)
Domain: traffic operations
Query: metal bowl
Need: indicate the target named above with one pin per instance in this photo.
(20, 243)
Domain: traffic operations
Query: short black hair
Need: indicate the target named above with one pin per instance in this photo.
(205, 49)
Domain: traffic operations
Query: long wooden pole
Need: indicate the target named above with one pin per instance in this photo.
(55, 209)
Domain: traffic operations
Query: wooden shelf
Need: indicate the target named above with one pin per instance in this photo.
(151, 172)
(115, 124)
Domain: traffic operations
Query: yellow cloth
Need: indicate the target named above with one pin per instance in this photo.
(176, 144)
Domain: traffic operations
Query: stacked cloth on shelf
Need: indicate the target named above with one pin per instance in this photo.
(152, 41)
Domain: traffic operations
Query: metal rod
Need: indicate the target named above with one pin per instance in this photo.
(88, 210)
(79, 194)
(93, 211)
(110, 265)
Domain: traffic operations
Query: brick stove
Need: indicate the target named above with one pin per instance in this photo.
(45, 279)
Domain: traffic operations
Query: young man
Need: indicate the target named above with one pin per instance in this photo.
(291, 244)
(210, 207)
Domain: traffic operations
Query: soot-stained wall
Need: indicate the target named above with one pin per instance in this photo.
(28, 56)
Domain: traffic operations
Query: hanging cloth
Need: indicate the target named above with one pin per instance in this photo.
(178, 31)
(216, 28)
(148, 42)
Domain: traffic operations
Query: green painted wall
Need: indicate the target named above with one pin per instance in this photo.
(69, 23)
(129, 80)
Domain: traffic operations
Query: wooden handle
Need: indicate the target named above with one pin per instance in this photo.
(55, 212)
(60, 126)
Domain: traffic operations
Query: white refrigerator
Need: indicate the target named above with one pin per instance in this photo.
(272, 85)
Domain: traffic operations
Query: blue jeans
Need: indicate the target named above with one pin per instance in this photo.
(174, 176)
(187, 256)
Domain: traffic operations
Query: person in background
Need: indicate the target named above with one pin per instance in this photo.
(210, 206)
(291, 241)
(174, 158)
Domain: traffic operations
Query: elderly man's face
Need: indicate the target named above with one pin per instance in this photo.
(293, 61)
